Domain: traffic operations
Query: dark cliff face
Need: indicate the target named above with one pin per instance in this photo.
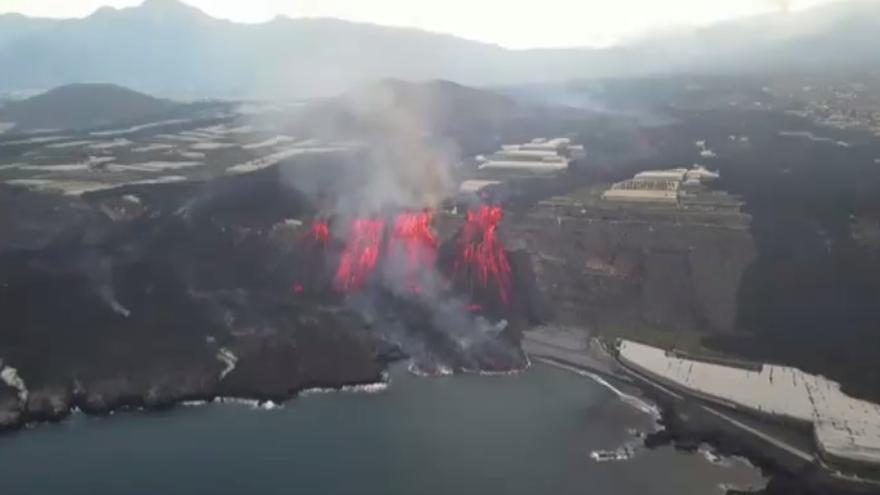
(622, 273)
(10, 410)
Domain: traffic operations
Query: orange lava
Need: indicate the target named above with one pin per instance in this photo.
(360, 256)
(412, 236)
(481, 253)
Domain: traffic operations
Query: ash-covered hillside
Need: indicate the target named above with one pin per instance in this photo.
(266, 264)
(86, 106)
(257, 252)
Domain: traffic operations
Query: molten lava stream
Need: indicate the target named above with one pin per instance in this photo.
(481, 252)
(413, 237)
(360, 256)
(319, 233)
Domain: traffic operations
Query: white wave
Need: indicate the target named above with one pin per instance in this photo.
(194, 403)
(368, 388)
(439, 371)
(711, 456)
(640, 404)
(269, 406)
(255, 404)
(10, 376)
(624, 453)
(513, 372)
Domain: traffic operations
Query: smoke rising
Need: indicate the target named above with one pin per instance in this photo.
(402, 162)
(381, 201)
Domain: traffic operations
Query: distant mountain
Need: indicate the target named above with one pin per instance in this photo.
(14, 26)
(83, 106)
(167, 47)
(835, 36)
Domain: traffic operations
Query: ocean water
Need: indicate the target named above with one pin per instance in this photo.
(530, 433)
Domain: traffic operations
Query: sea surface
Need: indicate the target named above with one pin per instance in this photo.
(530, 433)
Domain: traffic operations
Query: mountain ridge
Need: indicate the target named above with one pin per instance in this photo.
(170, 48)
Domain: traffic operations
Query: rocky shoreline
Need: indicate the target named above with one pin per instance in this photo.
(56, 406)
(52, 406)
(684, 426)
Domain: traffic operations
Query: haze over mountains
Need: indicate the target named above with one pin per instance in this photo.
(169, 48)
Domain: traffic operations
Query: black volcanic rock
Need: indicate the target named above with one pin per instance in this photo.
(49, 403)
(617, 271)
(195, 297)
(45, 219)
(10, 407)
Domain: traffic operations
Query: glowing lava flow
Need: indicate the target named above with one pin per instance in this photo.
(481, 253)
(319, 233)
(360, 256)
(412, 236)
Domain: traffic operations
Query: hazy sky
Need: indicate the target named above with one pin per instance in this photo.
(511, 23)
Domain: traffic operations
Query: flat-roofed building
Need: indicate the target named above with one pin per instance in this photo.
(538, 156)
(676, 174)
(846, 430)
(661, 186)
(647, 190)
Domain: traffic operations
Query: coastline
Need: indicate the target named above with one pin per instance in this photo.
(372, 384)
(680, 421)
(27, 420)
(685, 422)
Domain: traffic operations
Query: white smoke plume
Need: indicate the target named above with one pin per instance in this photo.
(402, 163)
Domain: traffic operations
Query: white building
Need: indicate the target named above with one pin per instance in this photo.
(846, 430)
(644, 190)
(538, 156)
(659, 186)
